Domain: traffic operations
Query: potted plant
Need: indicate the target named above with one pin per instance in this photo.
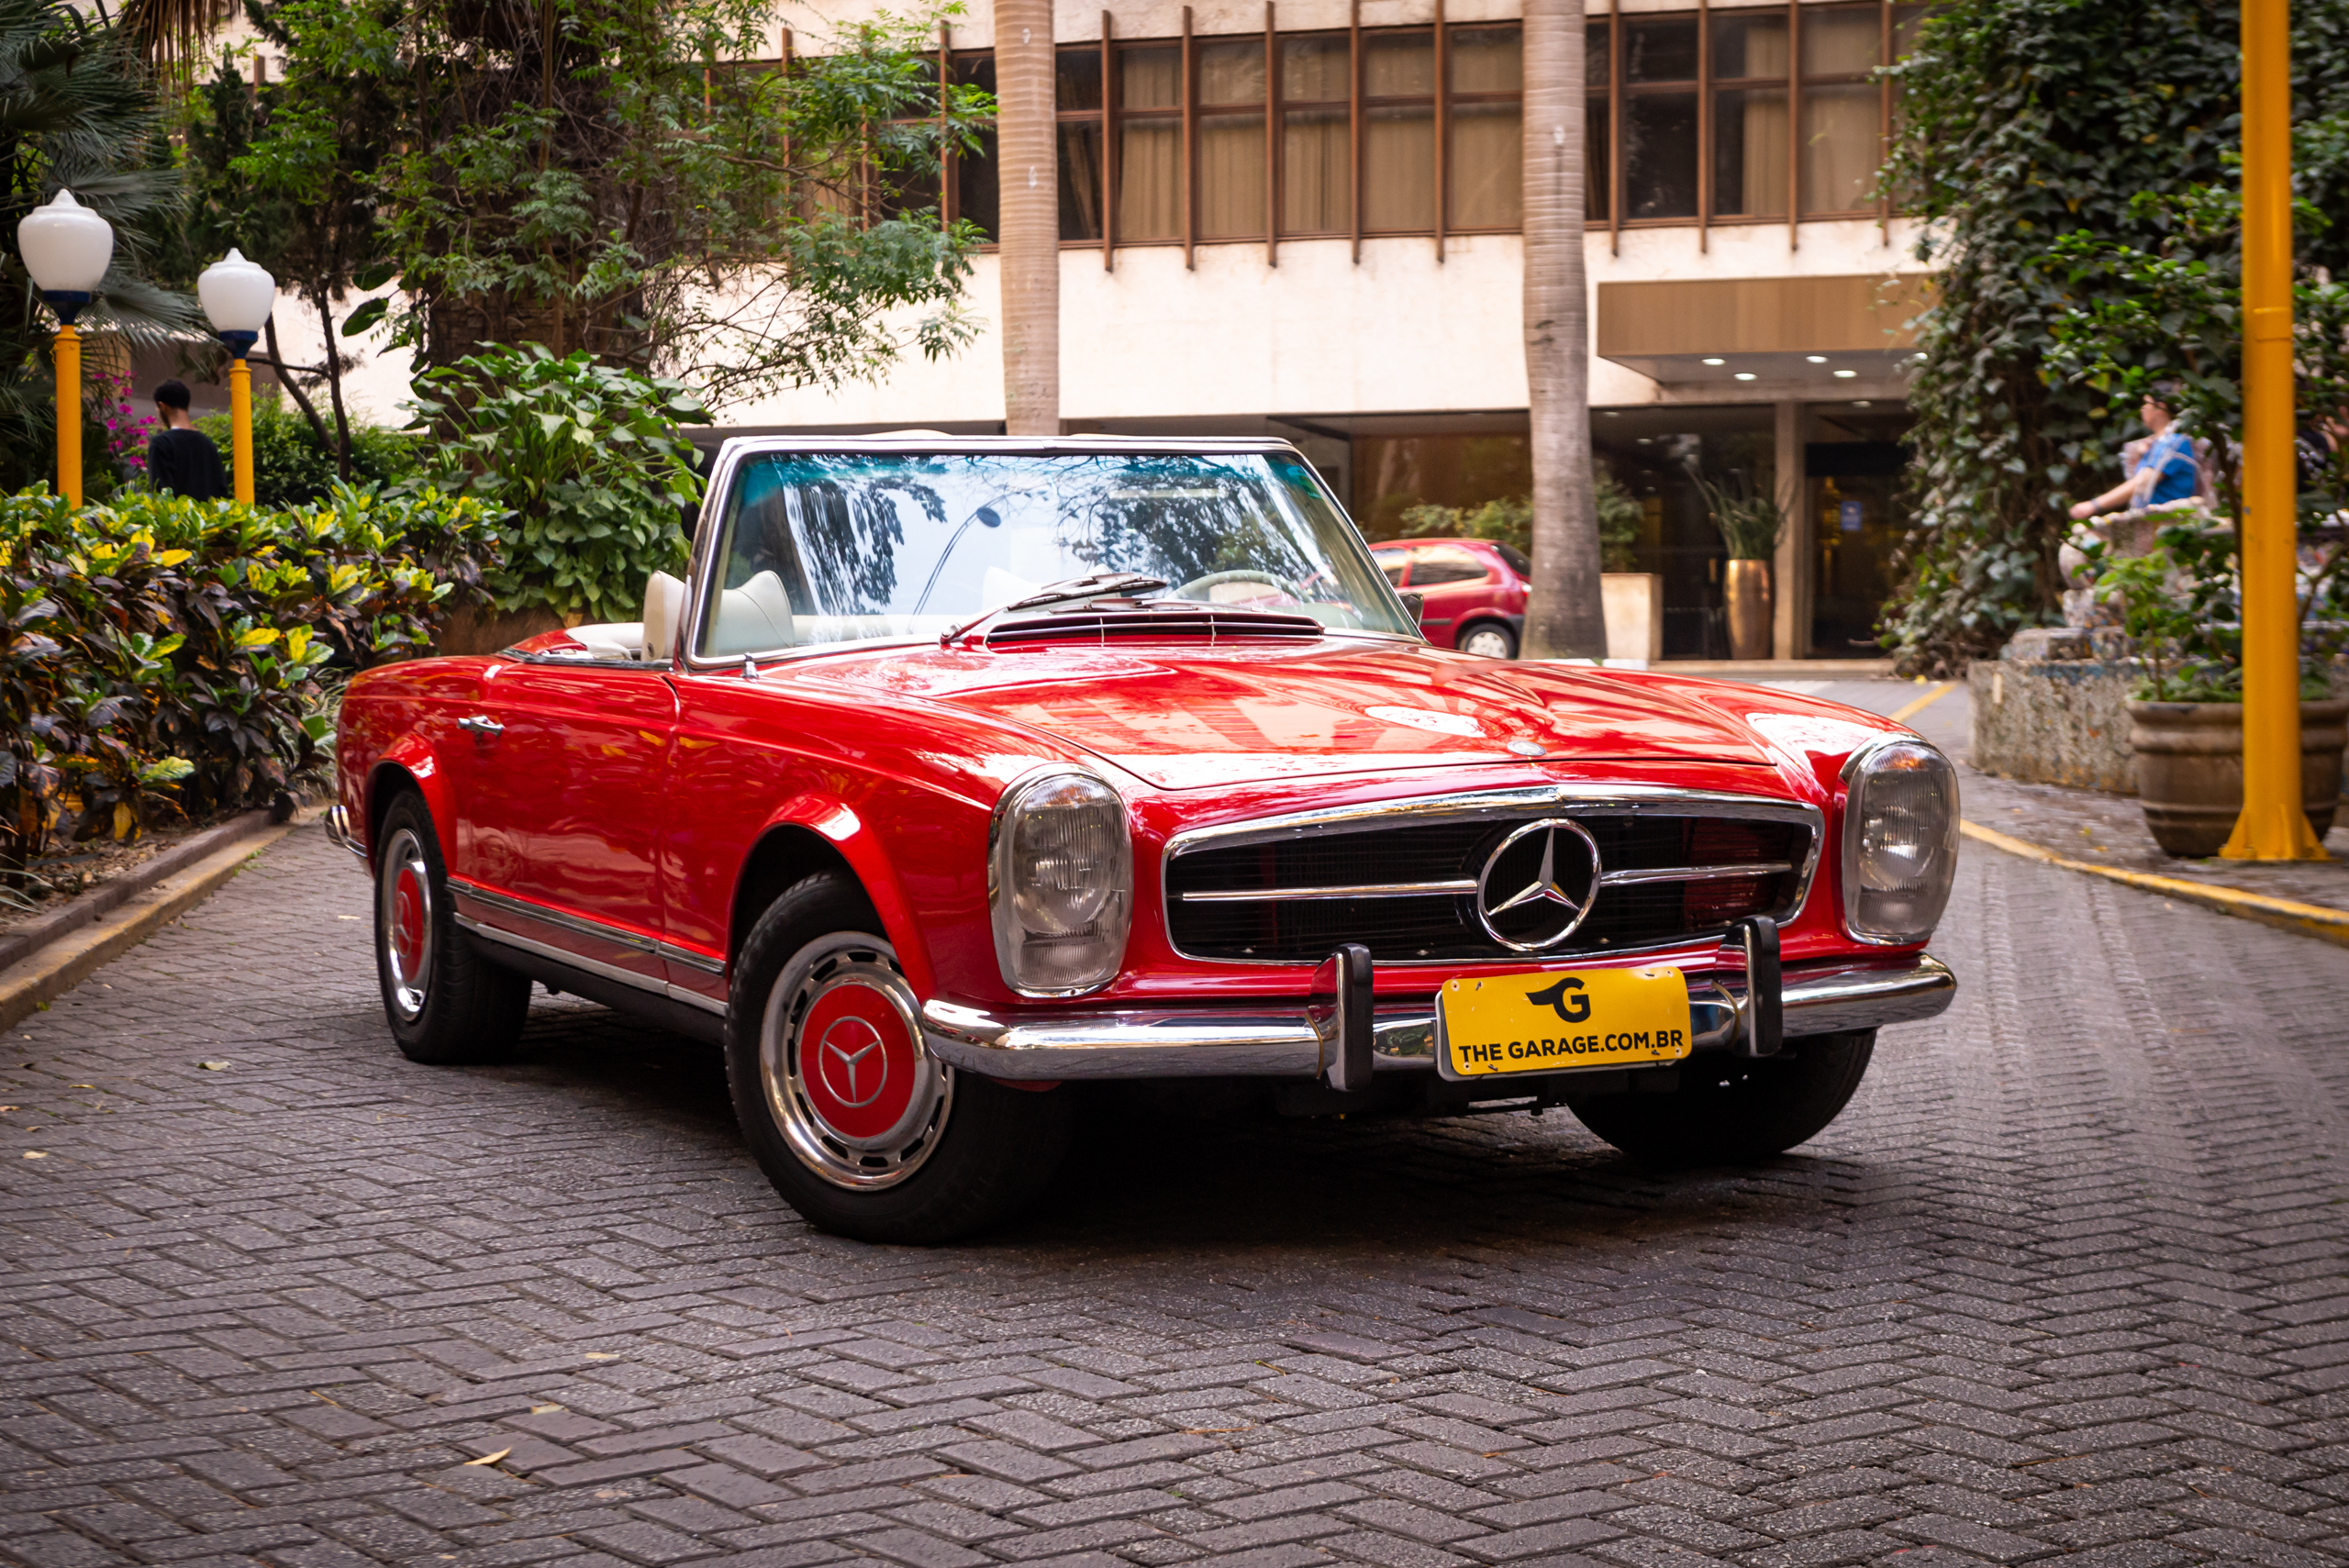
(2186, 721)
(1633, 599)
(1751, 523)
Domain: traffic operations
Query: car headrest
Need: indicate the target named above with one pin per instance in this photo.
(665, 600)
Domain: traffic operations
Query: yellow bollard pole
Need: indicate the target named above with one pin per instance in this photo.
(240, 426)
(69, 413)
(2272, 826)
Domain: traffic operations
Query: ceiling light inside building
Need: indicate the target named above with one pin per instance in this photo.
(1745, 376)
(1845, 375)
(1815, 359)
(1919, 356)
(1716, 361)
(1862, 403)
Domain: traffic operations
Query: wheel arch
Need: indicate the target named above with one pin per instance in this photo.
(408, 764)
(817, 837)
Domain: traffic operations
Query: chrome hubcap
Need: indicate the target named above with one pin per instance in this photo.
(403, 917)
(847, 1079)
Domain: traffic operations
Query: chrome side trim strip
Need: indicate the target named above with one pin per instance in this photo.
(618, 936)
(1278, 1039)
(1365, 890)
(593, 966)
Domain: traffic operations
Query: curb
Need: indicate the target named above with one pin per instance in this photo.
(37, 933)
(70, 956)
(2308, 919)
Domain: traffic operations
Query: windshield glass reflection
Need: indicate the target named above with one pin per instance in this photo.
(828, 548)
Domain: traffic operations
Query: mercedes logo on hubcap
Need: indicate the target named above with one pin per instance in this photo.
(1538, 885)
(854, 1066)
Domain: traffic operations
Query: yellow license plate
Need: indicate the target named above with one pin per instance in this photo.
(1562, 1022)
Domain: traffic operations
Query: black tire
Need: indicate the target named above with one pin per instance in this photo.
(958, 1153)
(1733, 1112)
(447, 1005)
(1505, 647)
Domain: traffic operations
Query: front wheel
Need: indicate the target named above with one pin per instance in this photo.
(1743, 1110)
(857, 1126)
(1491, 640)
(446, 1003)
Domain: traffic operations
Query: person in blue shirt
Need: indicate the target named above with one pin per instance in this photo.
(2167, 471)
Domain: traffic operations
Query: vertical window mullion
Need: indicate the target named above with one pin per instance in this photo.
(1704, 125)
(1615, 127)
(1190, 145)
(1793, 124)
(1109, 148)
(1442, 113)
(945, 167)
(1884, 120)
(1273, 138)
(1354, 123)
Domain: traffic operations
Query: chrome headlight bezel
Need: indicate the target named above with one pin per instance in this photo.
(1877, 760)
(1112, 921)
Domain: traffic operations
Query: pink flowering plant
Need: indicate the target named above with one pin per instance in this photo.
(124, 427)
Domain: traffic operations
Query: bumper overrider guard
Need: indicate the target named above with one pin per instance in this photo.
(1339, 1034)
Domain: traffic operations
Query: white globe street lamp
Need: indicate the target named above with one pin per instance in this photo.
(66, 248)
(238, 296)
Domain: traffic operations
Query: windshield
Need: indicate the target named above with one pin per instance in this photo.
(831, 548)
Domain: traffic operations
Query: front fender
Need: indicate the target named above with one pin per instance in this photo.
(857, 841)
(409, 759)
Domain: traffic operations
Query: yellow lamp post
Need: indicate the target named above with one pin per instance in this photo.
(67, 248)
(2274, 826)
(238, 296)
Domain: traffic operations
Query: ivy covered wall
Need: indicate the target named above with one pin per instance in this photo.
(2024, 121)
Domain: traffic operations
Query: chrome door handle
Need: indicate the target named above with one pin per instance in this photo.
(481, 724)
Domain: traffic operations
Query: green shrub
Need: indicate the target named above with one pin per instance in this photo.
(1510, 520)
(291, 468)
(584, 464)
(163, 656)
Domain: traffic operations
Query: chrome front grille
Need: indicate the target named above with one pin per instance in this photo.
(1401, 877)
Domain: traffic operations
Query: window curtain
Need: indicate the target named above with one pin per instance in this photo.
(1841, 140)
(1149, 151)
(1487, 183)
(1317, 196)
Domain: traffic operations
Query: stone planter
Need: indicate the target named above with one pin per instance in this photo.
(1633, 602)
(1746, 587)
(2190, 769)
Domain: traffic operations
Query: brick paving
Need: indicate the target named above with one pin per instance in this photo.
(2066, 1282)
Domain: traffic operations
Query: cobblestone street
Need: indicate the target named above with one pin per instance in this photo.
(2066, 1281)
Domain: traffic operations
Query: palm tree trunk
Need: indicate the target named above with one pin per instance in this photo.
(1029, 257)
(1564, 619)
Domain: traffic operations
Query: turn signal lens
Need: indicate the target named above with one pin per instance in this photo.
(1899, 842)
(1059, 884)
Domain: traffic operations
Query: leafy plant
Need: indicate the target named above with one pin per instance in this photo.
(582, 462)
(1749, 519)
(162, 655)
(1620, 518)
(293, 466)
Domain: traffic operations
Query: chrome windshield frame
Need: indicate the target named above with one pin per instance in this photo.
(702, 563)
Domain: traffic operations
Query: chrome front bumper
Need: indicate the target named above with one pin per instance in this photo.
(1273, 1041)
(338, 826)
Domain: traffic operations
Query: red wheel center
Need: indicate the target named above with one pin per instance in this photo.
(857, 1060)
(408, 921)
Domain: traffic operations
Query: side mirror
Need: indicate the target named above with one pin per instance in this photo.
(1417, 603)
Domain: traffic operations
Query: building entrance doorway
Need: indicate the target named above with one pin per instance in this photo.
(1856, 507)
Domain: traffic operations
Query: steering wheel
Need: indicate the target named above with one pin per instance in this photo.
(1243, 574)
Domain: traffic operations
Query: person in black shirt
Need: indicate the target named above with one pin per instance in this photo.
(181, 459)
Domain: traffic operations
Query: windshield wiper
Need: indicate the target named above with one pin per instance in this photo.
(1092, 586)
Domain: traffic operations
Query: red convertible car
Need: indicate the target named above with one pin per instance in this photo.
(958, 773)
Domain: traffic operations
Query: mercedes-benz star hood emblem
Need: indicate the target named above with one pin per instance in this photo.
(1538, 887)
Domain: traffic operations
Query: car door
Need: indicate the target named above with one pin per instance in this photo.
(560, 807)
(1453, 584)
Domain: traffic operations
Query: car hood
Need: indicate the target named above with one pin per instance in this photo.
(1187, 717)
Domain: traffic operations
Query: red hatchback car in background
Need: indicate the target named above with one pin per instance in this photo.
(1471, 590)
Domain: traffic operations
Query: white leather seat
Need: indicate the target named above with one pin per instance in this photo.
(752, 619)
(611, 639)
(665, 600)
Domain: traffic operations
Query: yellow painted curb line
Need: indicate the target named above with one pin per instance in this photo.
(2309, 920)
(42, 977)
(1904, 715)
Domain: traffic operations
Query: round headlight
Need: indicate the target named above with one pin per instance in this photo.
(1060, 884)
(1899, 842)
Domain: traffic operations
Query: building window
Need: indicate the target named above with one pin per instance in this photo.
(1763, 113)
